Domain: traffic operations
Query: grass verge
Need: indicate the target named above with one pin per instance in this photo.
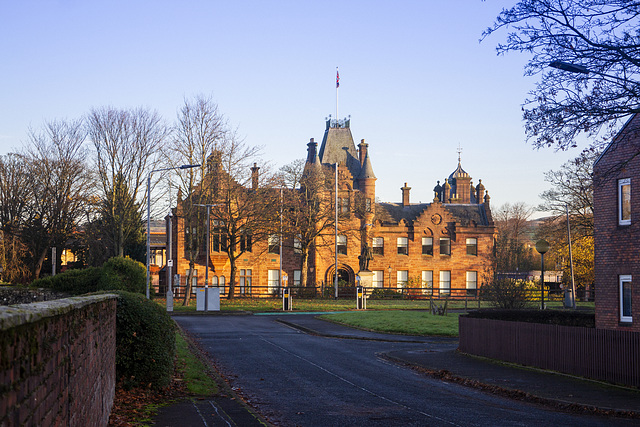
(399, 322)
(194, 372)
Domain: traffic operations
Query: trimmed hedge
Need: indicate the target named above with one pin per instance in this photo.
(145, 342)
(118, 273)
(123, 274)
(550, 317)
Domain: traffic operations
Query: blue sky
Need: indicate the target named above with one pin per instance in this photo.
(413, 76)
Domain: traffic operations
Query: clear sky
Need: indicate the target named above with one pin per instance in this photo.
(413, 76)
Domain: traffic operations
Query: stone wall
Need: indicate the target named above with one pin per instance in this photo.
(57, 362)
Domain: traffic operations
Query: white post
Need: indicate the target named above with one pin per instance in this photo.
(53, 261)
(169, 265)
(206, 270)
(335, 277)
(148, 229)
(280, 243)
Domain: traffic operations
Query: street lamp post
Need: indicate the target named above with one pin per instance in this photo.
(206, 270)
(149, 215)
(542, 246)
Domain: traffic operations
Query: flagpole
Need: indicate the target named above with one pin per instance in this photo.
(337, 86)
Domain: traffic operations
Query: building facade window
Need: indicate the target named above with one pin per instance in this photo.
(427, 282)
(221, 284)
(274, 244)
(378, 246)
(472, 246)
(342, 245)
(427, 246)
(472, 283)
(273, 284)
(297, 244)
(367, 205)
(403, 246)
(194, 278)
(343, 203)
(445, 246)
(445, 282)
(624, 201)
(625, 299)
(378, 279)
(245, 281)
(297, 277)
(246, 244)
(402, 278)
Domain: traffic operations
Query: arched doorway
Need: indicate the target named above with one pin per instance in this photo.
(346, 279)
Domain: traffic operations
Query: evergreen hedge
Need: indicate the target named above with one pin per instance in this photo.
(551, 317)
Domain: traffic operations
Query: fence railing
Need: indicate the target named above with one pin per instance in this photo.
(601, 354)
(328, 291)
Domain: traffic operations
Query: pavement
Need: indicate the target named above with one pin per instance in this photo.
(548, 388)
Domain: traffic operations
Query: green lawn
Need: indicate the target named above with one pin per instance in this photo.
(400, 321)
(260, 305)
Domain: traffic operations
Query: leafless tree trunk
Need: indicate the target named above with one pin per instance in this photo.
(126, 148)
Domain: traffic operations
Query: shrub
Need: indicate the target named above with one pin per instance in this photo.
(384, 293)
(145, 342)
(505, 293)
(123, 273)
(75, 282)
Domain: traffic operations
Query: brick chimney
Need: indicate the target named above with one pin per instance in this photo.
(254, 177)
(405, 195)
(362, 152)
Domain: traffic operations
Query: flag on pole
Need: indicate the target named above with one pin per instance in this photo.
(337, 79)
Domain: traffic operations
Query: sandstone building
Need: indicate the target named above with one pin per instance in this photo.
(440, 248)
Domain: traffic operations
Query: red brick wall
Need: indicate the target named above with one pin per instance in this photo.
(57, 362)
(617, 248)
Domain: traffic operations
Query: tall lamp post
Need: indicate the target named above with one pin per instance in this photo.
(542, 246)
(149, 215)
(206, 270)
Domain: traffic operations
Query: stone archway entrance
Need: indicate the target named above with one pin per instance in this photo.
(346, 279)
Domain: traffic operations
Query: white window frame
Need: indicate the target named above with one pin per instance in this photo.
(274, 241)
(427, 282)
(297, 244)
(377, 242)
(472, 282)
(297, 277)
(378, 279)
(444, 284)
(626, 182)
(472, 242)
(403, 245)
(402, 277)
(426, 242)
(222, 282)
(342, 244)
(442, 240)
(273, 281)
(621, 281)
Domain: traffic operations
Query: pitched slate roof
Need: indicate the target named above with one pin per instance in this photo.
(338, 147)
(466, 214)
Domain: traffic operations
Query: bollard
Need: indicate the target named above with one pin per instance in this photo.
(361, 301)
(286, 300)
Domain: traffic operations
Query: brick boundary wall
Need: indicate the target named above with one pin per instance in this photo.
(57, 362)
(600, 354)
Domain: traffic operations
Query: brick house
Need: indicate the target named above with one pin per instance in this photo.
(443, 247)
(616, 176)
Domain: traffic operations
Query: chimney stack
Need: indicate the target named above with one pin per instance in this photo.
(362, 152)
(405, 195)
(254, 176)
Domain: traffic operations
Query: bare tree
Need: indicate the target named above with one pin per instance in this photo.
(60, 186)
(512, 223)
(126, 147)
(199, 132)
(15, 194)
(247, 201)
(601, 37)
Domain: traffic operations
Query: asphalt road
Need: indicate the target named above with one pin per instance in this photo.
(295, 379)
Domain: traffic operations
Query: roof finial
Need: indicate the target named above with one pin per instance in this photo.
(459, 152)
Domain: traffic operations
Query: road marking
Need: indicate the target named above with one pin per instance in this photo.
(359, 387)
(200, 413)
(215, 407)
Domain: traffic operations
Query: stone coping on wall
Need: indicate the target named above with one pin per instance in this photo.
(19, 314)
